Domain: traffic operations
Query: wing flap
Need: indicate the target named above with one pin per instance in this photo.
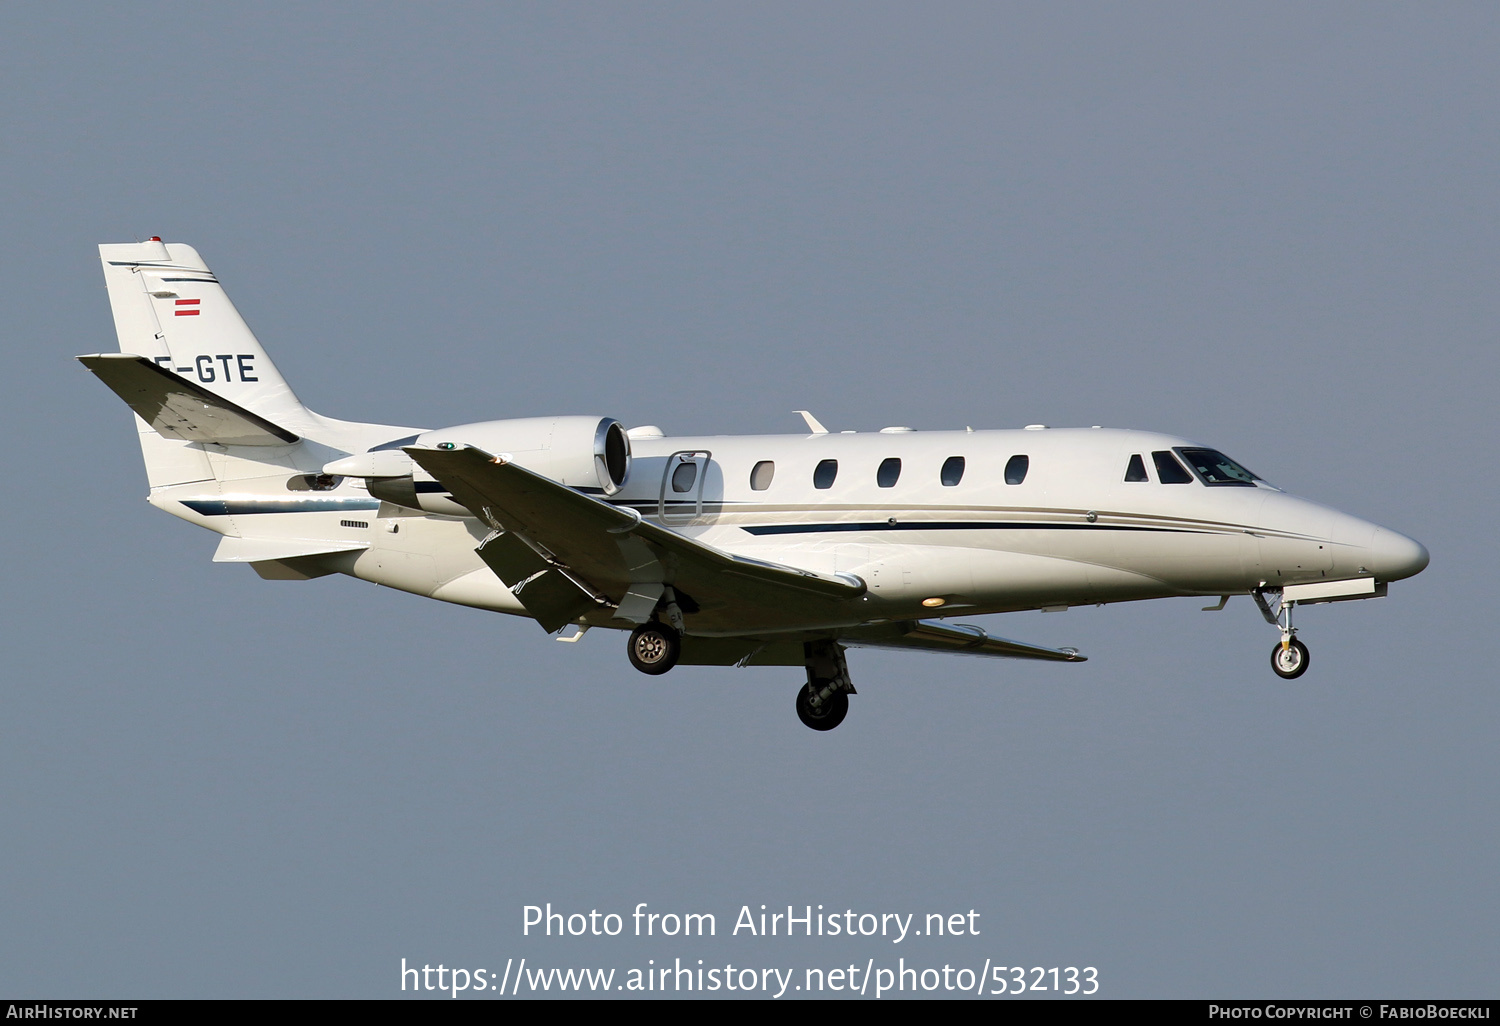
(553, 599)
(936, 636)
(740, 652)
(511, 558)
(549, 595)
(178, 408)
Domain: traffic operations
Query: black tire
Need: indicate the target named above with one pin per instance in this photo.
(827, 715)
(654, 647)
(1291, 662)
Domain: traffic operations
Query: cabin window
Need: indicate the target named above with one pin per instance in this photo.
(760, 476)
(953, 471)
(684, 476)
(1168, 470)
(1217, 469)
(1136, 469)
(1015, 469)
(826, 471)
(889, 472)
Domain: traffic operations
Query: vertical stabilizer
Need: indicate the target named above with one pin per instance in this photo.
(227, 444)
(169, 307)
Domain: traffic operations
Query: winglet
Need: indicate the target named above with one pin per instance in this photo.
(812, 423)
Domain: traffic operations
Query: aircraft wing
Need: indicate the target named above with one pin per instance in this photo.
(178, 408)
(565, 553)
(936, 636)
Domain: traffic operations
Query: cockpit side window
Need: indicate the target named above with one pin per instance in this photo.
(1135, 470)
(1217, 469)
(1168, 470)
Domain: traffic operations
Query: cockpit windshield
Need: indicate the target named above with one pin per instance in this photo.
(1217, 469)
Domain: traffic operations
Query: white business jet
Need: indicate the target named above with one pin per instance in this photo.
(777, 550)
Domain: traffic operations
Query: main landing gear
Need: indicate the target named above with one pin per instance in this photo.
(1289, 658)
(829, 711)
(822, 703)
(654, 647)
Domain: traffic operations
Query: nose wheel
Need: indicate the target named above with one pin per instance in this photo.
(1289, 659)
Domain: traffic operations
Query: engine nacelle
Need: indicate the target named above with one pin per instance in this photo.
(591, 454)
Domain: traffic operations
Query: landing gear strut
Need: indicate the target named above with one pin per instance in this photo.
(1289, 658)
(654, 647)
(823, 701)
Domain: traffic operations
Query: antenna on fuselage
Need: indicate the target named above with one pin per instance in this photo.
(812, 423)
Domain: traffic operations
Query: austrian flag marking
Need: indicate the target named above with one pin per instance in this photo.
(191, 306)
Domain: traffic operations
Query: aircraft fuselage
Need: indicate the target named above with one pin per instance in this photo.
(1071, 531)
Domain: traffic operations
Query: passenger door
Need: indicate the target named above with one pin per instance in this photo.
(681, 499)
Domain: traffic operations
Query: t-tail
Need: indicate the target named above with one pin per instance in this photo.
(226, 442)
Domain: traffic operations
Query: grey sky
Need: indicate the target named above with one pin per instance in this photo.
(1271, 228)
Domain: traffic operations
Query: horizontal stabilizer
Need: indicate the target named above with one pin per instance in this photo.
(178, 408)
(936, 636)
(255, 550)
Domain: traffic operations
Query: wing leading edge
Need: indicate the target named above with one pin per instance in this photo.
(936, 636)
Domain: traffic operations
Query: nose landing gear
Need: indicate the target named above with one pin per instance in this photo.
(1290, 657)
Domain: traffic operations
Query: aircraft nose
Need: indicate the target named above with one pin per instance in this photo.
(1394, 556)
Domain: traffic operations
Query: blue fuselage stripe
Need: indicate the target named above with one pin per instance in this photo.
(956, 525)
(242, 507)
